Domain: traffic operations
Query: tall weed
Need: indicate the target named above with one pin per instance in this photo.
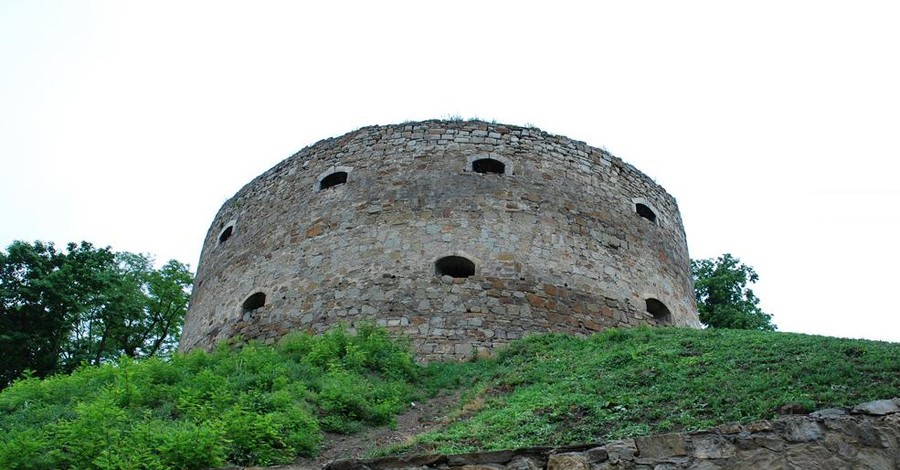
(256, 405)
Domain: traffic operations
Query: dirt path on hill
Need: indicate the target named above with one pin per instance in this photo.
(420, 418)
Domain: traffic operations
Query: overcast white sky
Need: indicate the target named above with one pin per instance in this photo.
(774, 123)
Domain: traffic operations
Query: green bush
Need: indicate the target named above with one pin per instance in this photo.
(257, 405)
(262, 405)
(27, 449)
(186, 444)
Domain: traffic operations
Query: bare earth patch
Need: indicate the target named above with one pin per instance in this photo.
(422, 417)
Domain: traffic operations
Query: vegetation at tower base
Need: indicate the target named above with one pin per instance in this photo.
(256, 405)
(265, 404)
(723, 298)
(59, 309)
(557, 390)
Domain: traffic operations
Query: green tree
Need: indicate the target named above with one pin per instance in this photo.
(59, 309)
(155, 304)
(35, 306)
(723, 298)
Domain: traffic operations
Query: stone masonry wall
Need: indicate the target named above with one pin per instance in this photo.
(557, 242)
(864, 437)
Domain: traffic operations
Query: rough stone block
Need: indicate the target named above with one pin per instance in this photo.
(660, 446)
(567, 462)
(711, 446)
(801, 430)
(596, 455)
(464, 350)
(521, 462)
(877, 408)
(620, 451)
(829, 413)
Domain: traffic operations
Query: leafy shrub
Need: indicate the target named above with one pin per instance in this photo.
(261, 405)
(99, 425)
(257, 405)
(369, 349)
(185, 444)
(27, 449)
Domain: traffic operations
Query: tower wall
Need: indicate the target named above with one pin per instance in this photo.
(561, 241)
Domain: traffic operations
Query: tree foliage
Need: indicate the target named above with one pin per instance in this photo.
(62, 308)
(723, 298)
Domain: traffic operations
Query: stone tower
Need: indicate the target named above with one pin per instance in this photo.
(461, 235)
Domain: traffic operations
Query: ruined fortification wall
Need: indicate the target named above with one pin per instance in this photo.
(863, 437)
(563, 237)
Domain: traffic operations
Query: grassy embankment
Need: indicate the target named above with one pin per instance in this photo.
(263, 405)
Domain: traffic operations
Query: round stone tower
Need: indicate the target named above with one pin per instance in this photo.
(461, 235)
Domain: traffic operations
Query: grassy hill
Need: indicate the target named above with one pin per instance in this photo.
(555, 390)
(265, 405)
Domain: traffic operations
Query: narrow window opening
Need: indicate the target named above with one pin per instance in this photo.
(646, 212)
(488, 165)
(454, 266)
(334, 179)
(254, 302)
(226, 234)
(659, 311)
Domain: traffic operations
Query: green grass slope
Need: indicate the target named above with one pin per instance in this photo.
(556, 390)
(267, 404)
(256, 406)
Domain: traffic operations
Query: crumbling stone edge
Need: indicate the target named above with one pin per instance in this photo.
(863, 436)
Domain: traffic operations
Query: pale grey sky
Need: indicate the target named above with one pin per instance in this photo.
(774, 123)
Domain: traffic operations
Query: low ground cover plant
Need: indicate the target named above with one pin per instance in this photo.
(256, 405)
(262, 405)
(558, 390)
